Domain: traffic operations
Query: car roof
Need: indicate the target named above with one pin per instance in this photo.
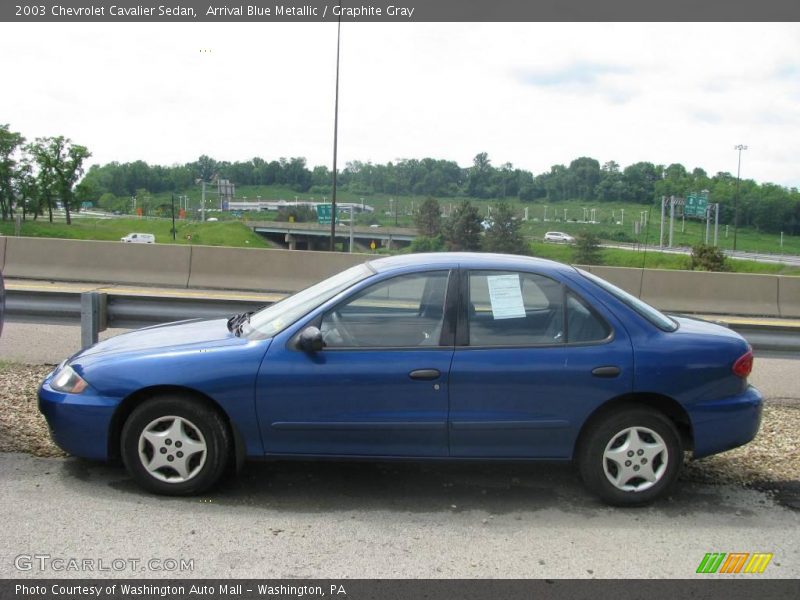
(469, 260)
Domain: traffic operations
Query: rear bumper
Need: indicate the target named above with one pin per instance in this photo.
(724, 424)
(79, 423)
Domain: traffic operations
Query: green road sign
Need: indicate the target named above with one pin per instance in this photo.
(324, 214)
(696, 205)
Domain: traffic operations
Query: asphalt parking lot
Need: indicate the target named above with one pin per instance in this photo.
(355, 520)
(397, 520)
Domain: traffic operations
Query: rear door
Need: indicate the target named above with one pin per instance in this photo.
(521, 384)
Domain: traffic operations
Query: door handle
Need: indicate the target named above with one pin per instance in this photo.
(610, 371)
(425, 374)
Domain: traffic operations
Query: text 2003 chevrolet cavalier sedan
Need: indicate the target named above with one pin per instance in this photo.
(443, 356)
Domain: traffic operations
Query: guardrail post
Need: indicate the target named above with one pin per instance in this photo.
(93, 317)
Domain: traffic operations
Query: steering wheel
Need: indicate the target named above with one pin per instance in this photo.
(346, 336)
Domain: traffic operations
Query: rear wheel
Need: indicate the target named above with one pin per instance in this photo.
(175, 445)
(630, 457)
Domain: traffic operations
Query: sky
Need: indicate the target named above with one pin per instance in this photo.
(532, 94)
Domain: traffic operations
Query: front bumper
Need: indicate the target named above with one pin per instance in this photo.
(79, 423)
(724, 424)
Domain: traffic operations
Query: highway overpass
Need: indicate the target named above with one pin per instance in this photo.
(313, 236)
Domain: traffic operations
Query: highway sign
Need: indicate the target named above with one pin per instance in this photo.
(696, 204)
(324, 214)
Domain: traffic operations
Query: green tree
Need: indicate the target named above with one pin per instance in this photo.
(60, 166)
(428, 219)
(28, 195)
(585, 174)
(587, 249)
(204, 168)
(503, 235)
(10, 142)
(297, 214)
(462, 231)
(480, 176)
(428, 244)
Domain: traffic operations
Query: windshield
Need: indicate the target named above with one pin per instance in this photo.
(277, 317)
(656, 317)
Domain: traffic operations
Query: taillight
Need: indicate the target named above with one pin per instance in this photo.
(743, 364)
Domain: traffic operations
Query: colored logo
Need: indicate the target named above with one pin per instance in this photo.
(735, 562)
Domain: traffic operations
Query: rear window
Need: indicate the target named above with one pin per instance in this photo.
(657, 318)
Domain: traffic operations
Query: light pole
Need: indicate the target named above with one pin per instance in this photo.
(738, 147)
(335, 135)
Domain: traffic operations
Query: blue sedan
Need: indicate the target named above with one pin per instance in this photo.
(426, 356)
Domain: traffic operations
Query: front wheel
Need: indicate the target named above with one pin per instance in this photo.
(175, 446)
(631, 457)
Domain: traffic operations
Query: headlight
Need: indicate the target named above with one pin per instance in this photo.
(67, 380)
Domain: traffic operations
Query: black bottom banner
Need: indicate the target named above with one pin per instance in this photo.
(390, 589)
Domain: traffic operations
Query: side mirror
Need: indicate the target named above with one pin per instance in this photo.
(310, 340)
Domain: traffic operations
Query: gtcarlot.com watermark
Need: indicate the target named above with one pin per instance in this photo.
(60, 564)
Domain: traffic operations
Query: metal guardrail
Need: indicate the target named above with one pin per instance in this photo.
(96, 311)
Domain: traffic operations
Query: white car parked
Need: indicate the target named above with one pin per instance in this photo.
(139, 238)
(557, 236)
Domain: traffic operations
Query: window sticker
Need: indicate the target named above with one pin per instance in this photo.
(505, 295)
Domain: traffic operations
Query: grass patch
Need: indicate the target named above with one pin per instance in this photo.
(222, 233)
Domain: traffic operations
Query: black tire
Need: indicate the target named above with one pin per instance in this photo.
(641, 424)
(191, 421)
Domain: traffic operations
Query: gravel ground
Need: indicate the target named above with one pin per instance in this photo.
(774, 456)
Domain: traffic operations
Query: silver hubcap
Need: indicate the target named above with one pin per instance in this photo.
(635, 459)
(172, 449)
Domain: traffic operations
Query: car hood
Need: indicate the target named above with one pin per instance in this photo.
(206, 332)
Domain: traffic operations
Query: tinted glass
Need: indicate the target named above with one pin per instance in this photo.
(274, 319)
(399, 312)
(583, 324)
(514, 309)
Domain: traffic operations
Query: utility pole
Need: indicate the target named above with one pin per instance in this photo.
(716, 223)
(335, 135)
(738, 147)
(661, 232)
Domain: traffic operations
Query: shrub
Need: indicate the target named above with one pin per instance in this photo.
(708, 258)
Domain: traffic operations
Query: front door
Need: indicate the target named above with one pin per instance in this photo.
(380, 385)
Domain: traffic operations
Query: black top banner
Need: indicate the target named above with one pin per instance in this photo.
(403, 11)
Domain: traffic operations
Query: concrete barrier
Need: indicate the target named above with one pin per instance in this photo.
(265, 270)
(111, 262)
(789, 296)
(720, 293)
(703, 292)
(288, 271)
(628, 279)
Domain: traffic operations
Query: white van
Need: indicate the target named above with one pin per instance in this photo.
(139, 238)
